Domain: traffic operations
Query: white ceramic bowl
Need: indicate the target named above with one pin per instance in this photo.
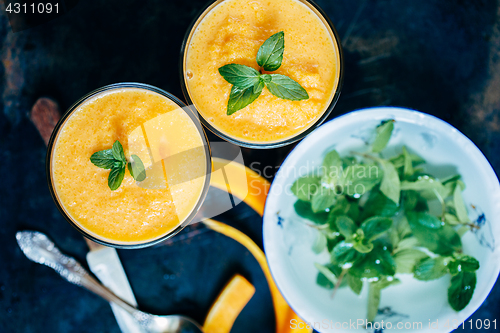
(288, 242)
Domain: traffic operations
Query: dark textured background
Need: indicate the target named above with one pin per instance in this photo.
(439, 57)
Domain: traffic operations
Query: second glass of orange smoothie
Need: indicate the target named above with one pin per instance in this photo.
(231, 32)
(150, 124)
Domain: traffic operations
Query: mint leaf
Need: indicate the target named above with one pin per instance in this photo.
(344, 253)
(460, 208)
(384, 132)
(408, 165)
(375, 226)
(116, 176)
(323, 199)
(284, 87)
(136, 168)
(240, 98)
(117, 152)
(378, 205)
(406, 259)
(103, 159)
(270, 54)
(444, 240)
(355, 283)
(332, 164)
(320, 243)
(361, 178)
(346, 226)
(305, 187)
(463, 263)
(390, 185)
(430, 268)
(461, 290)
(426, 186)
(399, 160)
(240, 76)
(429, 221)
(363, 245)
(303, 209)
(376, 263)
(413, 201)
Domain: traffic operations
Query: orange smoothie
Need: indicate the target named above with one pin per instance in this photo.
(231, 33)
(150, 126)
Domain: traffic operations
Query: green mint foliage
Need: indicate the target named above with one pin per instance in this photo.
(305, 187)
(116, 176)
(270, 54)
(240, 98)
(463, 263)
(383, 134)
(103, 159)
(375, 226)
(461, 290)
(373, 215)
(303, 209)
(118, 153)
(390, 184)
(346, 226)
(431, 268)
(240, 76)
(407, 259)
(136, 168)
(284, 87)
(248, 83)
(355, 283)
(115, 160)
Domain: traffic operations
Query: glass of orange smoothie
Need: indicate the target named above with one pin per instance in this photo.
(151, 125)
(232, 32)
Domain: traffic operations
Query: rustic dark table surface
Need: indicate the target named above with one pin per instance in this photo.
(439, 57)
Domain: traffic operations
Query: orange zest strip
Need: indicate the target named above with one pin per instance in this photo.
(231, 301)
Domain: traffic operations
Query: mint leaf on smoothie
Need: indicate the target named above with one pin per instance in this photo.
(115, 160)
(283, 87)
(270, 54)
(116, 177)
(136, 168)
(248, 82)
(103, 159)
(240, 76)
(240, 98)
(117, 151)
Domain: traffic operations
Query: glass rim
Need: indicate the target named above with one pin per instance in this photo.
(274, 144)
(51, 145)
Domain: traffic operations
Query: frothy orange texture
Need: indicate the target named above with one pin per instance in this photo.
(146, 124)
(232, 32)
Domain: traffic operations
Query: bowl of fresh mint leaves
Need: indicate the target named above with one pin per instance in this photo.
(384, 219)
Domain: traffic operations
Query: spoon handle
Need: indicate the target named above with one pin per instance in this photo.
(40, 249)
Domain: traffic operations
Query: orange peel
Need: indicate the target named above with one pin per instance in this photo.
(228, 305)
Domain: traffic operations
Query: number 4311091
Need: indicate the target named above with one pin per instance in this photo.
(40, 8)
(472, 324)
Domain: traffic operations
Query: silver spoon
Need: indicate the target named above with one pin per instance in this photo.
(39, 248)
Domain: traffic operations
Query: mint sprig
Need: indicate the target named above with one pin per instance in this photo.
(248, 82)
(270, 54)
(115, 160)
